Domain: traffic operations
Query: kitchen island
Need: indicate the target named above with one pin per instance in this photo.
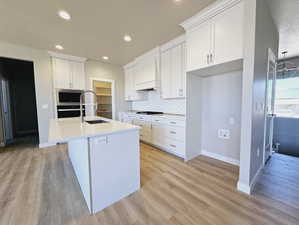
(105, 157)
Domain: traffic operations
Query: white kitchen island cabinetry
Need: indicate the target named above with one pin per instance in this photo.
(105, 158)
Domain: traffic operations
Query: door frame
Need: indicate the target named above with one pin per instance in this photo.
(271, 58)
(92, 79)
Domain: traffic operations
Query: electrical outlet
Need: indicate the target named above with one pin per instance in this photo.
(224, 133)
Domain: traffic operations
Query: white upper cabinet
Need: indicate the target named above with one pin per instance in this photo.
(173, 69)
(68, 72)
(166, 74)
(61, 73)
(78, 75)
(130, 93)
(147, 70)
(199, 46)
(228, 35)
(215, 36)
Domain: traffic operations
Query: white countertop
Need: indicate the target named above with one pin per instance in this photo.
(165, 115)
(64, 130)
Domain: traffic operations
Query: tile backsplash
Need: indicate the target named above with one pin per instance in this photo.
(155, 103)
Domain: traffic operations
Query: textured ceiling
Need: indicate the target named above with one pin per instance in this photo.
(97, 26)
(286, 16)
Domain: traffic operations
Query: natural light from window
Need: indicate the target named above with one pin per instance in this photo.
(287, 97)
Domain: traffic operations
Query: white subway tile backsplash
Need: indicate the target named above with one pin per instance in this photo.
(155, 103)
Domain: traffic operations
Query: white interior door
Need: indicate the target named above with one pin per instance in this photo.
(269, 109)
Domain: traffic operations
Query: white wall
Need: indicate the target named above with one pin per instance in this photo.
(260, 34)
(97, 69)
(43, 81)
(221, 109)
(154, 102)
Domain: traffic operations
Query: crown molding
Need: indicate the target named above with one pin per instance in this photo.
(174, 42)
(208, 13)
(130, 64)
(67, 57)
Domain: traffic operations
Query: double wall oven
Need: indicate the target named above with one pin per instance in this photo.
(68, 103)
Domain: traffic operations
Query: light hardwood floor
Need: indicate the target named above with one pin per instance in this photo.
(39, 187)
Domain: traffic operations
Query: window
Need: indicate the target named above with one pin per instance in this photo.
(287, 97)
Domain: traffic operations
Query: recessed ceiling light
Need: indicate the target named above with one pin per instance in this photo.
(177, 1)
(59, 47)
(105, 58)
(127, 38)
(64, 15)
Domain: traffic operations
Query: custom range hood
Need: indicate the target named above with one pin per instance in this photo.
(147, 74)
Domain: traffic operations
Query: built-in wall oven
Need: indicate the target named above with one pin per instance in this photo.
(68, 103)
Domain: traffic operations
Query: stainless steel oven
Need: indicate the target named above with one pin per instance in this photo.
(67, 97)
(66, 111)
(68, 103)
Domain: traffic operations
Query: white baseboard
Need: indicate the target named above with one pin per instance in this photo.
(46, 145)
(243, 188)
(221, 157)
(248, 189)
(256, 178)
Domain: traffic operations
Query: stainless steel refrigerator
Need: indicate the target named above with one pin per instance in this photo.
(6, 133)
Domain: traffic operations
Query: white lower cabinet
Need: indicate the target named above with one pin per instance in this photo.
(166, 133)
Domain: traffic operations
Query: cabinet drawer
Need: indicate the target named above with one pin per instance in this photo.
(171, 145)
(158, 120)
(175, 146)
(143, 124)
(164, 131)
(174, 132)
(174, 122)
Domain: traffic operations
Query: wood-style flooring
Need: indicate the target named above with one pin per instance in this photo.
(280, 180)
(38, 187)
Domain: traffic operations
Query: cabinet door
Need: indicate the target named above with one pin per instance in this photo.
(149, 69)
(139, 70)
(199, 47)
(177, 72)
(78, 75)
(130, 93)
(128, 84)
(146, 70)
(228, 34)
(166, 81)
(61, 73)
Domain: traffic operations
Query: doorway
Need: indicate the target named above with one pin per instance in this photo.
(269, 106)
(18, 120)
(104, 90)
(286, 126)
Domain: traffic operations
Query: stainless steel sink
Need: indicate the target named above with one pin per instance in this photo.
(96, 121)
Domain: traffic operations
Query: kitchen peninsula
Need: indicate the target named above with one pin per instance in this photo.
(105, 157)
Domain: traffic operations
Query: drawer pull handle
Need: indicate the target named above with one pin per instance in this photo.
(174, 146)
(172, 132)
(173, 122)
